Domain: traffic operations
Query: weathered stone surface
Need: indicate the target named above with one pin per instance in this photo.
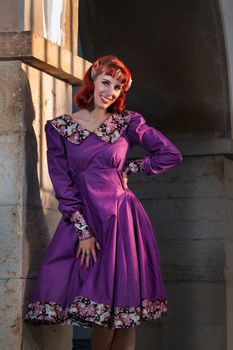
(182, 337)
(229, 312)
(39, 230)
(190, 218)
(10, 97)
(200, 177)
(10, 12)
(10, 242)
(46, 98)
(48, 337)
(195, 303)
(190, 260)
(11, 313)
(44, 337)
(10, 169)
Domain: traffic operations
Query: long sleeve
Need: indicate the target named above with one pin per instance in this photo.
(162, 153)
(69, 202)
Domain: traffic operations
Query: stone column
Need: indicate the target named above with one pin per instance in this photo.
(36, 84)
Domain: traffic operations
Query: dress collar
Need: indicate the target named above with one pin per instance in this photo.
(110, 130)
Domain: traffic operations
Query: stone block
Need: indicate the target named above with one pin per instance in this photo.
(186, 218)
(195, 303)
(228, 180)
(10, 12)
(228, 218)
(10, 97)
(153, 335)
(43, 337)
(39, 229)
(229, 259)
(10, 314)
(229, 313)
(11, 169)
(192, 260)
(193, 178)
(47, 337)
(10, 242)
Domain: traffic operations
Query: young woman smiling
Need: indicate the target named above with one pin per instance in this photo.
(101, 268)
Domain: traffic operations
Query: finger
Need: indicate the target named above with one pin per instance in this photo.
(98, 245)
(88, 261)
(94, 255)
(82, 259)
(78, 252)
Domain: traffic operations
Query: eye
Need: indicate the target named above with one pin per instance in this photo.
(118, 87)
(105, 82)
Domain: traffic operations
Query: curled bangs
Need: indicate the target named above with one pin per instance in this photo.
(115, 72)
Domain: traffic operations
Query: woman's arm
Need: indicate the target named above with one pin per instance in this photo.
(162, 153)
(70, 204)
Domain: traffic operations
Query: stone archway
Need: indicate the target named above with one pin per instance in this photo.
(180, 55)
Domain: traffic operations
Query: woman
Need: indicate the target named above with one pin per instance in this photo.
(101, 268)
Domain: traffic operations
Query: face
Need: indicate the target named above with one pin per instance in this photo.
(107, 90)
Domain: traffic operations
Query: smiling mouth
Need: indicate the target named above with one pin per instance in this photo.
(105, 99)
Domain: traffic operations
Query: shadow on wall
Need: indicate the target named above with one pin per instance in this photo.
(35, 223)
(175, 50)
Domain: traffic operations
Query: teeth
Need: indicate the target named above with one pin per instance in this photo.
(106, 98)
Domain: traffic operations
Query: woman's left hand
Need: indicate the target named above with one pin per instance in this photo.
(125, 179)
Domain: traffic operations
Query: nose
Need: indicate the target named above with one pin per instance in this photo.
(111, 91)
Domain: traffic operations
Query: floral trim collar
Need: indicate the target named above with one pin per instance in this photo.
(110, 130)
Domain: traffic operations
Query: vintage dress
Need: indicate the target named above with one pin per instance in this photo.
(125, 285)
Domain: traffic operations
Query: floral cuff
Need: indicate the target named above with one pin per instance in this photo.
(133, 166)
(82, 228)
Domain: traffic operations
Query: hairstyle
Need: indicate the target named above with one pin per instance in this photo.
(109, 65)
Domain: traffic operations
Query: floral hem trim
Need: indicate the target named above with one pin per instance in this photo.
(85, 313)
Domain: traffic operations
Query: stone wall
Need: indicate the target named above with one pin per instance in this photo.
(28, 210)
(180, 54)
(186, 206)
(36, 84)
(46, 98)
(188, 211)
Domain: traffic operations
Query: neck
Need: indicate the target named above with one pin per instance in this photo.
(98, 113)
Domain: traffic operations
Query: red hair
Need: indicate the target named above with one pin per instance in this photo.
(109, 65)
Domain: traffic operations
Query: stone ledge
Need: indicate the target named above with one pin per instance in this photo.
(38, 52)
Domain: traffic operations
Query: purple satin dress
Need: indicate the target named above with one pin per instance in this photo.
(124, 286)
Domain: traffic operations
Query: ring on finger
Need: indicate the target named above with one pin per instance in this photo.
(86, 253)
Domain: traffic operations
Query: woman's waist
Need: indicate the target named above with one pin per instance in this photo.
(100, 179)
(94, 170)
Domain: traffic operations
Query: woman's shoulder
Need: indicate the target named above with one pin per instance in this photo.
(59, 119)
(134, 114)
(135, 118)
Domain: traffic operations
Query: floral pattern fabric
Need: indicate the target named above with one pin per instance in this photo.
(110, 130)
(133, 166)
(82, 228)
(85, 313)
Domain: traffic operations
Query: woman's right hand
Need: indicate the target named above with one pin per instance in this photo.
(89, 246)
